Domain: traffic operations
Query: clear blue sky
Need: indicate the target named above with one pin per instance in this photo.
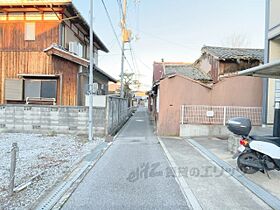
(174, 29)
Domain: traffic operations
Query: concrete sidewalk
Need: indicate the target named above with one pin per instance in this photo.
(219, 148)
(212, 187)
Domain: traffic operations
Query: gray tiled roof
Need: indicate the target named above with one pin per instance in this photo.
(187, 71)
(224, 53)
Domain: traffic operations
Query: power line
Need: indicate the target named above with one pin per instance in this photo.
(137, 18)
(115, 33)
(133, 59)
(168, 41)
(120, 7)
(111, 23)
(146, 65)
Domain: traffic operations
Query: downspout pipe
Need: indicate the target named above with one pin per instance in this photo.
(266, 60)
(276, 126)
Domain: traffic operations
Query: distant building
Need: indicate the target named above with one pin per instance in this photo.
(159, 69)
(44, 53)
(114, 88)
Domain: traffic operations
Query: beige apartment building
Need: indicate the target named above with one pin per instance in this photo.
(270, 71)
(273, 51)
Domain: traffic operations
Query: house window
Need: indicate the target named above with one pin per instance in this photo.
(3, 16)
(13, 89)
(30, 31)
(16, 16)
(62, 35)
(40, 88)
(95, 54)
(33, 16)
(50, 16)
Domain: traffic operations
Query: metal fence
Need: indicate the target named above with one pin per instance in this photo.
(118, 112)
(218, 115)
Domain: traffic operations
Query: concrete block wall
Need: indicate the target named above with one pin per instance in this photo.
(59, 119)
(233, 143)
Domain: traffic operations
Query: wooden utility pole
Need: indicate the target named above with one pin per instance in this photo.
(125, 38)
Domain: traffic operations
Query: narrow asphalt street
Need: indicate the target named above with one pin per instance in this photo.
(133, 174)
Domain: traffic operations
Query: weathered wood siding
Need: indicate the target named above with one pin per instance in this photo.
(229, 67)
(14, 63)
(18, 56)
(68, 72)
(12, 36)
(216, 68)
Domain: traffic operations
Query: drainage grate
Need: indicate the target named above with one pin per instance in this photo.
(58, 192)
(51, 200)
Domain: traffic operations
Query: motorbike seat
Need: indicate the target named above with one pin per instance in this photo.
(269, 139)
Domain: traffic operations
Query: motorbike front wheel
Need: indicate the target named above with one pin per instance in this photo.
(247, 157)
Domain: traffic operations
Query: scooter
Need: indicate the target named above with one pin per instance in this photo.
(255, 153)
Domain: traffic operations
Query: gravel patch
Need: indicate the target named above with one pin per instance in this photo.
(52, 155)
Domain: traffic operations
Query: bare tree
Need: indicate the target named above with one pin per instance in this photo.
(236, 41)
(127, 82)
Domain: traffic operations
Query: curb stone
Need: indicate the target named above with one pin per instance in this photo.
(91, 161)
(60, 194)
(191, 200)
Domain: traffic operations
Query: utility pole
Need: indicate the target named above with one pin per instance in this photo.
(91, 67)
(125, 38)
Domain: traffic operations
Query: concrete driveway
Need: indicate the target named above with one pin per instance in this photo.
(219, 148)
(210, 184)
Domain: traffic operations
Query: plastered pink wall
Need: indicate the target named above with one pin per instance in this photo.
(177, 91)
(237, 91)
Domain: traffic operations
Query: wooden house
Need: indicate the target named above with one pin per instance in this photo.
(223, 61)
(44, 53)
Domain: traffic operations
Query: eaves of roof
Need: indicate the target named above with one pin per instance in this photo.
(67, 4)
(62, 53)
(72, 9)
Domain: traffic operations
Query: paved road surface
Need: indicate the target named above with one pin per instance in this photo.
(133, 174)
